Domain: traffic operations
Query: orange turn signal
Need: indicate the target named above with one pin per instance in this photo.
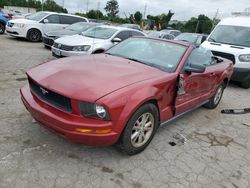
(84, 130)
(101, 131)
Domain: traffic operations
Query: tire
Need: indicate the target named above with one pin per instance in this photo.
(2, 28)
(246, 84)
(135, 127)
(215, 100)
(34, 35)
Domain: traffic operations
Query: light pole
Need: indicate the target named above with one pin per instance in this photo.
(42, 4)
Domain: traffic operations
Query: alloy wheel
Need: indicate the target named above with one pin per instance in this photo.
(142, 130)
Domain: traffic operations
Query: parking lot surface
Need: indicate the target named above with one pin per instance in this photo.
(216, 154)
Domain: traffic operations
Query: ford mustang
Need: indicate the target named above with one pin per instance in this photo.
(123, 95)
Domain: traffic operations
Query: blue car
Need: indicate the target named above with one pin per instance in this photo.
(3, 21)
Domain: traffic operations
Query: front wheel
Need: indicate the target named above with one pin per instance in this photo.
(2, 28)
(34, 35)
(215, 100)
(139, 130)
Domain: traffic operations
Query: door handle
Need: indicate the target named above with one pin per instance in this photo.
(212, 74)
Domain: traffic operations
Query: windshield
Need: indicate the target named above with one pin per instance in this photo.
(100, 32)
(159, 54)
(37, 16)
(79, 27)
(187, 37)
(233, 35)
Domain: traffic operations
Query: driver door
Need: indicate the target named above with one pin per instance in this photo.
(195, 88)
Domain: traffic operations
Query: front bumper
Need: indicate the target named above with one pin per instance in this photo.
(241, 74)
(16, 32)
(62, 53)
(48, 41)
(65, 124)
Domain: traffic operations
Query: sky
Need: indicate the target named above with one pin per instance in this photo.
(183, 9)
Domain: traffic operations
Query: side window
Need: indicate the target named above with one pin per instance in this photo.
(123, 35)
(200, 56)
(53, 19)
(69, 19)
(135, 33)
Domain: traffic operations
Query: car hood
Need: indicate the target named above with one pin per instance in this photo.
(62, 32)
(25, 21)
(76, 40)
(89, 78)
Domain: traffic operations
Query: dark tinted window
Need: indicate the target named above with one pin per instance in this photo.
(70, 19)
(53, 19)
(135, 33)
(123, 35)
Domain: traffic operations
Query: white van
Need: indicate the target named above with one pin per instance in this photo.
(34, 26)
(231, 39)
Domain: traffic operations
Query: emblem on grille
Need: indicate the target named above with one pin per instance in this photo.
(44, 91)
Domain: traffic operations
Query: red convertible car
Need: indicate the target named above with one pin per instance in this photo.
(122, 96)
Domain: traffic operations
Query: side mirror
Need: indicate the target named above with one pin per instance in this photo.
(217, 59)
(116, 40)
(195, 68)
(45, 21)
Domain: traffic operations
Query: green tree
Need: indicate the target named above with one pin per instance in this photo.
(138, 17)
(94, 14)
(112, 8)
(202, 24)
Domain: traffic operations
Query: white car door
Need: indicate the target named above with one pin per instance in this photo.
(52, 23)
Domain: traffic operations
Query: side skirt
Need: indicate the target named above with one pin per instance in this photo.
(183, 113)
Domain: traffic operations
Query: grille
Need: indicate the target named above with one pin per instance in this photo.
(63, 47)
(225, 55)
(50, 97)
(48, 41)
(10, 24)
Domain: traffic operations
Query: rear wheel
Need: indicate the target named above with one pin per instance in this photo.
(2, 28)
(246, 84)
(139, 130)
(215, 100)
(34, 35)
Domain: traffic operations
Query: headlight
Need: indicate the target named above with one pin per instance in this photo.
(21, 25)
(81, 48)
(94, 110)
(244, 58)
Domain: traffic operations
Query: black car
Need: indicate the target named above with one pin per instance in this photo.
(76, 28)
(192, 38)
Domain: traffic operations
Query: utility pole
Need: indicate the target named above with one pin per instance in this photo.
(214, 19)
(98, 5)
(63, 3)
(196, 29)
(145, 11)
(42, 4)
(87, 7)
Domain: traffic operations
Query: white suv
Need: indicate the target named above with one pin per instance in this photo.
(95, 40)
(34, 26)
(231, 39)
